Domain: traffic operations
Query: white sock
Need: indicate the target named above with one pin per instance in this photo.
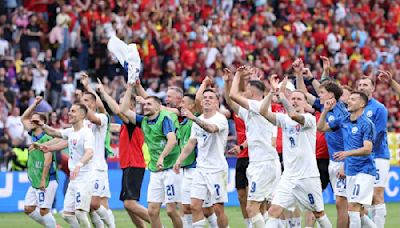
(294, 222)
(71, 220)
(35, 215)
(273, 223)
(49, 220)
(82, 218)
(355, 220)
(247, 222)
(266, 216)
(380, 215)
(212, 221)
(111, 216)
(96, 220)
(257, 221)
(102, 212)
(199, 224)
(324, 222)
(366, 222)
(187, 221)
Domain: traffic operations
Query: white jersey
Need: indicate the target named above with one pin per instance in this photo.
(298, 146)
(211, 146)
(99, 132)
(78, 142)
(259, 133)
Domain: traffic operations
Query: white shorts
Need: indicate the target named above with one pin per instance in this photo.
(186, 187)
(338, 184)
(101, 186)
(42, 199)
(263, 178)
(79, 193)
(360, 188)
(209, 186)
(382, 172)
(164, 187)
(307, 193)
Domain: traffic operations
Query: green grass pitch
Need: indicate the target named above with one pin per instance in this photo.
(15, 220)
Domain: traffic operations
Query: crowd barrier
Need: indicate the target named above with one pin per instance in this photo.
(13, 186)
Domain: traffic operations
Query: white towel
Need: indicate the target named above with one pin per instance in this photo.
(127, 55)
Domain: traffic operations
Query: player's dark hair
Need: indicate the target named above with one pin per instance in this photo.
(333, 87)
(92, 95)
(155, 98)
(363, 96)
(301, 91)
(82, 107)
(257, 84)
(191, 96)
(212, 91)
(368, 78)
(42, 116)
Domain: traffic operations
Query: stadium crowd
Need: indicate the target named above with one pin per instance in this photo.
(196, 45)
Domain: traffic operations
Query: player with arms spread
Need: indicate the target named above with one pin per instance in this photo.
(80, 147)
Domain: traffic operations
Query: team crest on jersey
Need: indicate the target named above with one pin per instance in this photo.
(369, 113)
(331, 118)
(74, 141)
(298, 127)
(354, 130)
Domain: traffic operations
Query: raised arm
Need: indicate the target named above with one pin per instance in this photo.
(140, 91)
(234, 94)
(99, 104)
(299, 72)
(326, 66)
(199, 94)
(322, 125)
(124, 106)
(208, 127)
(228, 83)
(388, 77)
(28, 113)
(264, 109)
(290, 110)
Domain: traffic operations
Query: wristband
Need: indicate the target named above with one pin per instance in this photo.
(241, 147)
(312, 79)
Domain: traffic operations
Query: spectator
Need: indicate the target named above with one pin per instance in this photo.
(68, 89)
(63, 22)
(14, 128)
(5, 154)
(39, 74)
(34, 33)
(55, 81)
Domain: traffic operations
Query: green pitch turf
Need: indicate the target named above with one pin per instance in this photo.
(16, 220)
